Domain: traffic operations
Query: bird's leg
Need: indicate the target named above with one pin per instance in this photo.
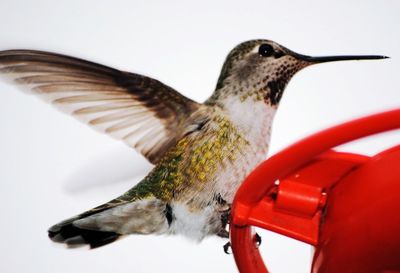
(225, 211)
(225, 217)
(224, 232)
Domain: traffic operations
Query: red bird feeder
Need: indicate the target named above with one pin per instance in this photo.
(346, 205)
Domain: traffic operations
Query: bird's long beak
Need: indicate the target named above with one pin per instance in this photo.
(324, 59)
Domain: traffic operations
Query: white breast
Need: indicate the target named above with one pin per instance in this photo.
(253, 119)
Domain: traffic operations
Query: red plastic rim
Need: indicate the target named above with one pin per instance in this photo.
(258, 184)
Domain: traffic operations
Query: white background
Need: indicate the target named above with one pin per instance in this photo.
(52, 167)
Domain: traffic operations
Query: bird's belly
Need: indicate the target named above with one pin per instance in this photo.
(194, 224)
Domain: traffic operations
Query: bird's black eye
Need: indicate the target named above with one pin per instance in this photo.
(265, 50)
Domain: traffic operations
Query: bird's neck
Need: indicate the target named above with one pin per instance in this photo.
(249, 111)
(250, 103)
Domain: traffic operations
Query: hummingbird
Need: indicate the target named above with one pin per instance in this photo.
(201, 151)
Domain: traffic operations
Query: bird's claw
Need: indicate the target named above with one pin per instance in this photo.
(257, 239)
(227, 246)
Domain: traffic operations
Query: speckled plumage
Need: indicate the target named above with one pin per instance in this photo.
(202, 152)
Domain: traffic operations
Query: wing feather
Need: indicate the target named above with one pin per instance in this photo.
(143, 112)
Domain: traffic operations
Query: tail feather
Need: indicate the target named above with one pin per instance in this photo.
(106, 223)
(65, 232)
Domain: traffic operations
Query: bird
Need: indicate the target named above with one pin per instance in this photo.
(201, 151)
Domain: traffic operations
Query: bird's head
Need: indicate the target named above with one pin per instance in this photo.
(262, 68)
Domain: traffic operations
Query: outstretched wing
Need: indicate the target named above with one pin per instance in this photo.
(139, 110)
